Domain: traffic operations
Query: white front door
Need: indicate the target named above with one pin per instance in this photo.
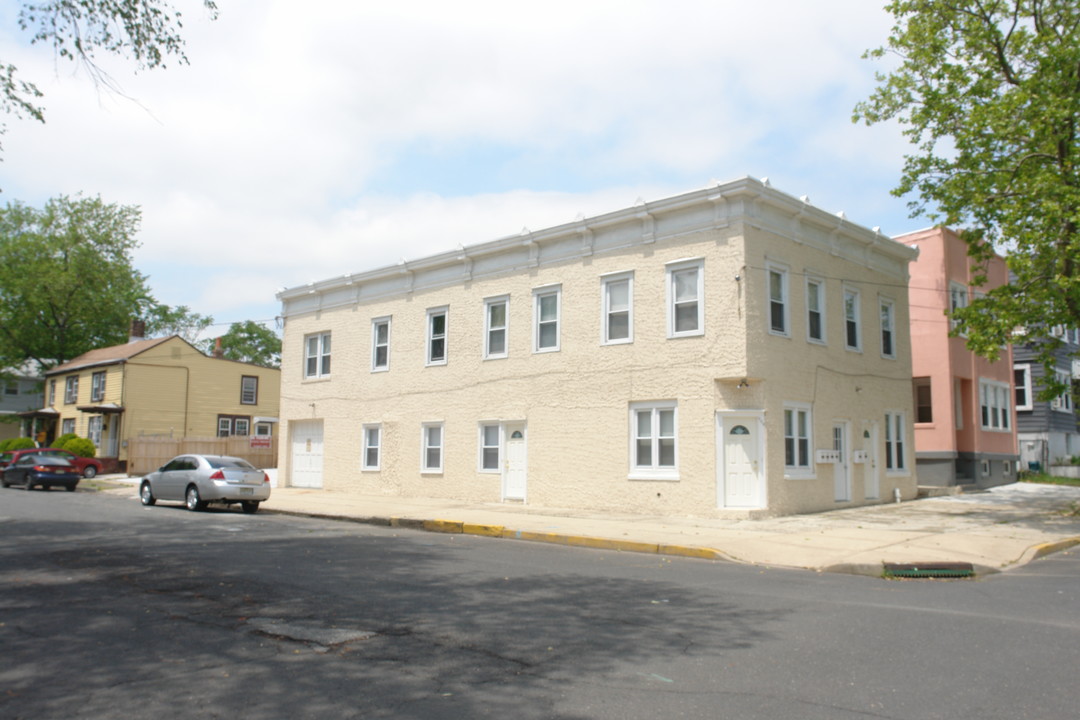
(740, 444)
(515, 465)
(870, 475)
(843, 477)
(307, 453)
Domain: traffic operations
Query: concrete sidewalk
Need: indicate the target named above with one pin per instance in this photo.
(992, 531)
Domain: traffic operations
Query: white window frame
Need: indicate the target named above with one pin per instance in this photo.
(376, 345)
(1029, 402)
(372, 443)
(959, 297)
(792, 413)
(71, 389)
(490, 329)
(654, 470)
(994, 404)
(887, 315)
(67, 426)
(675, 269)
(426, 445)
(95, 425)
(320, 353)
(264, 429)
(896, 445)
(249, 392)
(97, 385)
(779, 272)
(607, 282)
(429, 348)
(242, 427)
(484, 445)
(1064, 401)
(854, 317)
(539, 295)
(819, 284)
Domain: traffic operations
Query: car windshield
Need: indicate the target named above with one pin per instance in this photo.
(221, 462)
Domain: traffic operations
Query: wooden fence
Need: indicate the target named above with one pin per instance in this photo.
(146, 454)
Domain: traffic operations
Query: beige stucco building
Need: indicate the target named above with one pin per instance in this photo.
(732, 349)
(158, 387)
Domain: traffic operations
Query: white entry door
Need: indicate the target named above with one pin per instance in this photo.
(515, 465)
(842, 466)
(740, 443)
(307, 453)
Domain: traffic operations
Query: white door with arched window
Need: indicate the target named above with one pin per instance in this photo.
(739, 452)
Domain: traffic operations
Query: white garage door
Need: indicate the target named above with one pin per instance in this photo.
(307, 453)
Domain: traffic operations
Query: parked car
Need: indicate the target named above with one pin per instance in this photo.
(88, 467)
(32, 470)
(197, 480)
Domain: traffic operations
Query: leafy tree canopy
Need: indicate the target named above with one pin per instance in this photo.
(988, 92)
(67, 284)
(145, 31)
(251, 342)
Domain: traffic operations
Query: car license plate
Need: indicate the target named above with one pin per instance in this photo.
(246, 491)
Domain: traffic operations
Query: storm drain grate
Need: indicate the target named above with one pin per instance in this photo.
(930, 570)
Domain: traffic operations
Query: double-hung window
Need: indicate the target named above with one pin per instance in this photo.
(372, 446)
(496, 317)
(958, 299)
(618, 309)
(815, 310)
(97, 386)
(797, 435)
(653, 436)
(546, 317)
(994, 405)
(924, 401)
(94, 427)
(852, 329)
(317, 355)
(1064, 401)
(249, 390)
(67, 426)
(436, 336)
(895, 433)
(888, 328)
(71, 389)
(380, 344)
(490, 448)
(431, 440)
(685, 296)
(1022, 382)
(778, 300)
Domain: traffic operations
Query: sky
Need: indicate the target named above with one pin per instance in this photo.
(310, 139)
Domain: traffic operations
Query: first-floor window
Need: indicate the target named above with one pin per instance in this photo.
(67, 426)
(489, 447)
(263, 429)
(994, 404)
(233, 425)
(432, 440)
(93, 430)
(894, 441)
(654, 428)
(372, 444)
(797, 426)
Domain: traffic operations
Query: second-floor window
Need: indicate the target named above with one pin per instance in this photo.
(71, 390)
(685, 292)
(958, 298)
(888, 333)
(1022, 382)
(815, 310)
(97, 387)
(546, 319)
(495, 319)
(249, 390)
(778, 301)
(852, 332)
(317, 355)
(380, 344)
(436, 336)
(618, 318)
(1064, 401)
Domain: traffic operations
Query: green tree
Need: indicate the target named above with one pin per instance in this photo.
(251, 342)
(988, 92)
(144, 31)
(67, 284)
(180, 320)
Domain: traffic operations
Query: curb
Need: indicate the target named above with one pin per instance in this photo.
(1047, 548)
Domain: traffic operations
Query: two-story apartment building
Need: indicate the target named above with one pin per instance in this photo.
(1047, 430)
(162, 386)
(20, 391)
(965, 426)
(732, 348)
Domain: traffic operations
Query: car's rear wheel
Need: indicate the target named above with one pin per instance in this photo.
(89, 471)
(146, 494)
(192, 499)
(250, 506)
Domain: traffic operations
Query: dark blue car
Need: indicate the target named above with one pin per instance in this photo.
(41, 470)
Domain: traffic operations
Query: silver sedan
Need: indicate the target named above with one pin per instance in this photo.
(197, 480)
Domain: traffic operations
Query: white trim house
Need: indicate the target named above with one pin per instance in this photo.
(717, 351)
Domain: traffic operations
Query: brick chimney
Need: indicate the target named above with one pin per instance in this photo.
(137, 330)
(218, 352)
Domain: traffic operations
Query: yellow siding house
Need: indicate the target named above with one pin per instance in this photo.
(158, 387)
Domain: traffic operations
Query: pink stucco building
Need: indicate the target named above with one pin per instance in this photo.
(965, 422)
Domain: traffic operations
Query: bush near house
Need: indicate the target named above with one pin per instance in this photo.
(20, 443)
(63, 440)
(80, 447)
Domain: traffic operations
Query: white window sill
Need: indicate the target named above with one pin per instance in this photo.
(672, 476)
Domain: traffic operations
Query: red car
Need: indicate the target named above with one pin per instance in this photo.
(88, 467)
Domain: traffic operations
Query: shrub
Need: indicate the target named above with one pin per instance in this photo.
(80, 447)
(62, 440)
(4, 444)
(21, 443)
